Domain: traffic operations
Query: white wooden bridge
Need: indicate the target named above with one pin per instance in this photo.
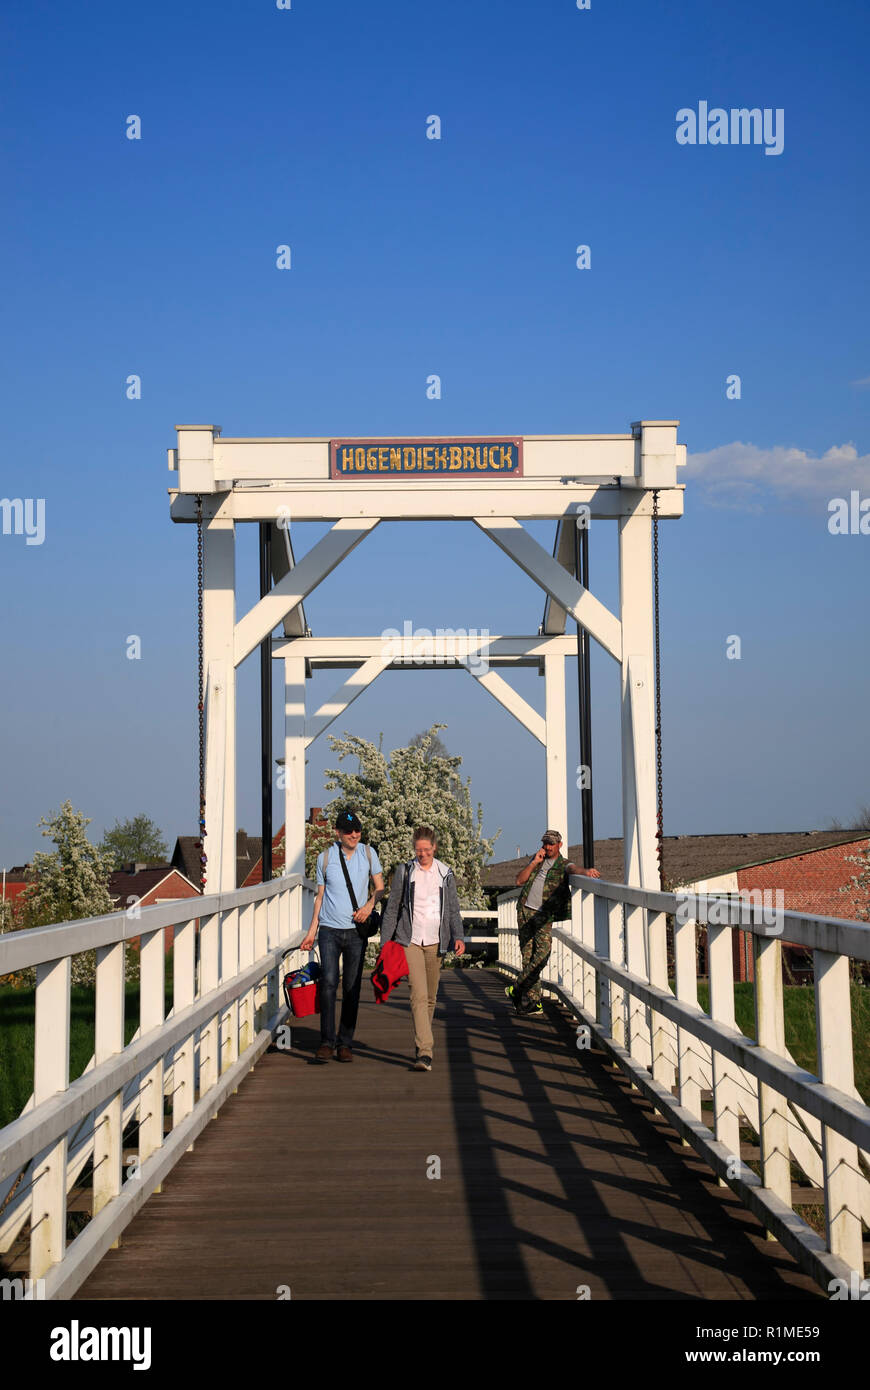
(112, 1143)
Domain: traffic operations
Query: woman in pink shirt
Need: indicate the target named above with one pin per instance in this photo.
(423, 915)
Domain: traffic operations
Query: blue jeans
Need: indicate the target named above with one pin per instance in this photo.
(347, 948)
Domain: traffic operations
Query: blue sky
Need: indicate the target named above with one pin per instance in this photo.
(411, 256)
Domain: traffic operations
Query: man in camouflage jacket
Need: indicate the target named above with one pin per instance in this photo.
(545, 899)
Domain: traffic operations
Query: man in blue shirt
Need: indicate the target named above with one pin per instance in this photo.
(340, 942)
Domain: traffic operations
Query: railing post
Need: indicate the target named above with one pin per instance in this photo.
(183, 994)
(836, 1068)
(152, 1010)
(587, 936)
(725, 1101)
(686, 968)
(616, 955)
(208, 981)
(246, 958)
(576, 964)
(602, 948)
(664, 1033)
(229, 968)
(108, 1042)
(261, 940)
(770, 1032)
(639, 1043)
(50, 1075)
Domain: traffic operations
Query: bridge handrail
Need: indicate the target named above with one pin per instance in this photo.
(229, 952)
(609, 965)
(842, 935)
(37, 1128)
(36, 945)
(835, 1108)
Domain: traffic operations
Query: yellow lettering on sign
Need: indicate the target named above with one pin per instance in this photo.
(507, 456)
(480, 462)
(396, 459)
(468, 456)
(359, 460)
(427, 458)
(346, 459)
(493, 461)
(441, 458)
(408, 455)
(383, 452)
(455, 457)
(371, 459)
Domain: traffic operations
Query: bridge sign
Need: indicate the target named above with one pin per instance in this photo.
(454, 458)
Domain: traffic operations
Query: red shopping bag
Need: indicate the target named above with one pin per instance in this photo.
(303, 999)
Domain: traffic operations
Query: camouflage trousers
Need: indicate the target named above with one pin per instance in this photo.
(536, 943)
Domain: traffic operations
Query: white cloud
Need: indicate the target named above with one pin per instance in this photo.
(743, 476)
(863, 381)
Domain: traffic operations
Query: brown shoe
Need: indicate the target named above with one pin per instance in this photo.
(345, 1054)
(324, 1053)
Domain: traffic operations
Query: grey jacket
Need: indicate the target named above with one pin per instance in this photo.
(398, 916)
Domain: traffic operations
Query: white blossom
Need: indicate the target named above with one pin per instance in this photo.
(392, 796)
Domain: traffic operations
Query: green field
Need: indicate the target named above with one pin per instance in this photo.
(17, 1013)
(799, 1011)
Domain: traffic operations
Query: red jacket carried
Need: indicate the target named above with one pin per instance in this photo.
(391, 967)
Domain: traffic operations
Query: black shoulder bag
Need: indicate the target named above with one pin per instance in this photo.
(370, 927)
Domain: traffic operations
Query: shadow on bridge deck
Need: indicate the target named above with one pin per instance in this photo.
(554, 1174)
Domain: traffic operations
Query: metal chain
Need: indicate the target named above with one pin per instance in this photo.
(658, 664)
(200, 694)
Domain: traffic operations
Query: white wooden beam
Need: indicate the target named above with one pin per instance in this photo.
(311, 570)
(448, 648)
(638, 776)
(294, 765)
(344, 696)
(50, 1077)
(516, 542)
(638, 738)
(216, 844)
(842, 1173)
(557, 758)
(560, 457)
(108, 1041)
(219, 614)
(534, 499)
(512, 702)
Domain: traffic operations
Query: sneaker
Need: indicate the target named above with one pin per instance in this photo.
(423, 1063)
(324, 1053)
(509, 991)
(535, 1007)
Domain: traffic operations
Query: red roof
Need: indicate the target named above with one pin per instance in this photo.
(256, 874)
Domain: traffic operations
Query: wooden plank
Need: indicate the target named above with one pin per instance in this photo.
(551, 1177)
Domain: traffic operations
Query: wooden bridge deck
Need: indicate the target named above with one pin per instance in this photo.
(554, 1174)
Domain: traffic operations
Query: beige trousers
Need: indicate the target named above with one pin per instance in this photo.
(424, 969)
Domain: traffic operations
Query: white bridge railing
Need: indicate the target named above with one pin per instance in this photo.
(168, 1082)
(609, 966)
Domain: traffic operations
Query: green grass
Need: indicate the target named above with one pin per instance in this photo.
(799, 1012)
(17, 1015)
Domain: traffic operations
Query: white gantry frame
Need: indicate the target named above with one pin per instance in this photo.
(570, 479)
